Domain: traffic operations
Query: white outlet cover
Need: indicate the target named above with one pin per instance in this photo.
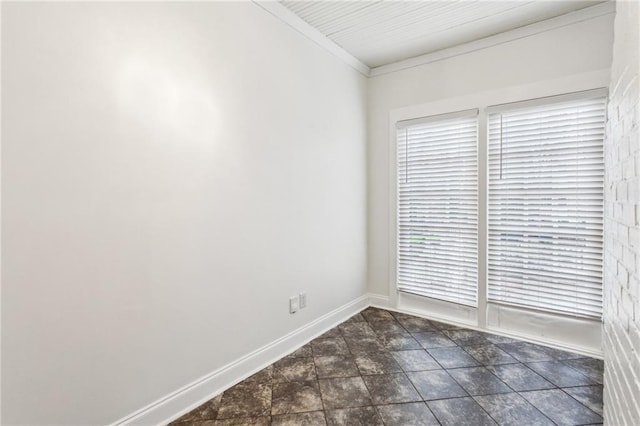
(303, 300)
(294, 303)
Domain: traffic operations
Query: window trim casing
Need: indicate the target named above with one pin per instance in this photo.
(582, 335)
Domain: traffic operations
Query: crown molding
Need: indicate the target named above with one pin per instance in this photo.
(505, 37)
(294, 21)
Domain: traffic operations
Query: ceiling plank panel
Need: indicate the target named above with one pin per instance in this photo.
(383, 32)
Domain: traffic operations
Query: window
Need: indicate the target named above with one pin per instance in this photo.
(545, 201)
(438, 207)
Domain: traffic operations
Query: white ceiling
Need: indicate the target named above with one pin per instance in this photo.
(382, 32)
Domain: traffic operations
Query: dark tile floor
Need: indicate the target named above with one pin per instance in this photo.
(385, 368)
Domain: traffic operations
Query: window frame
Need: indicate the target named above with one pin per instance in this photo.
(583, 335)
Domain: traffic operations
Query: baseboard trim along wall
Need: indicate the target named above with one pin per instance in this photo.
(180, 402)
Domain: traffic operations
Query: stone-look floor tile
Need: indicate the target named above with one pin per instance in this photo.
(302, 352)
(246, 421)
(400, 315)
(245, 400)
(445, 326)
(334, 332)
(315, 418)
(416, 324)
(563, 355)
(263, 376)
(377, 363)
(519, 377)
(453, 357)
(386, 327)
(294, 370)
(355, 318)
(561, 408)
(335, 366)
(466, 337)
(372, 314)
(361, 416)
(560, 374)
(398, 342)
(510, 409)
(356, 329)
(478, 381)
(460, 412)
(359, 345)
(590, 367)
(433, 339)
(489, 354)
(437, 384)
(344, 393)
(496, 338)
(589, 396)
(295, 397)
(207, 411)
(330, 346)
(390, 389)
(597, 365)
(390, 319)
(413, 413)
(415, 360)
(526, 352)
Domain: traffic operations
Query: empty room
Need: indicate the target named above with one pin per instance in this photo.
(305, 213)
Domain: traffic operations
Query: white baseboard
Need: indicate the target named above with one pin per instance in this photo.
(194, 394)
(378, 301)
(182, 401)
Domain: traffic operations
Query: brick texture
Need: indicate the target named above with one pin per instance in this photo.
(622, 230)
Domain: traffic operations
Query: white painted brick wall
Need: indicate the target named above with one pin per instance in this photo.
(622, 225)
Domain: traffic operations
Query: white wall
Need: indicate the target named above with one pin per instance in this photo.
(526, 67)
(622, 225)
(171, 174)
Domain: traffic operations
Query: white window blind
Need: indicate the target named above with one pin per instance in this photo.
(546, 207)
(438, 207)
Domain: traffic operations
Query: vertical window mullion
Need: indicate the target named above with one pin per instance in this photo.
(482, 218)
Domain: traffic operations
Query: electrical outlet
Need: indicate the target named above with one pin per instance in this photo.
(294, 303)
(303, 300)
